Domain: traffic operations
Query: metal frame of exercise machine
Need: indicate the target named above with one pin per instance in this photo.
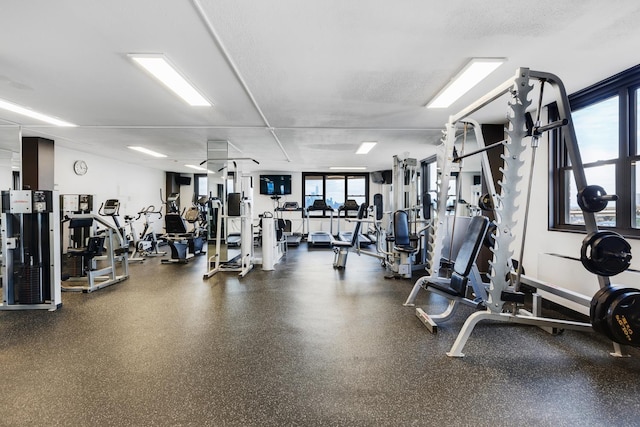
(242, 263)
(402, 263)
(117, 251)
(503, 296)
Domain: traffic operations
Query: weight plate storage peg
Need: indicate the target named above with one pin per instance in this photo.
(486, 202)
(605, 253)
(623, 318)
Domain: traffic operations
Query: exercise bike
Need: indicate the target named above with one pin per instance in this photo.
(147, 244)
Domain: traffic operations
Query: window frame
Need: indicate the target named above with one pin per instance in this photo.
(324, 176)
(625, 86)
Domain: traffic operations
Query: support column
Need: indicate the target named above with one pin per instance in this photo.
(37, 163)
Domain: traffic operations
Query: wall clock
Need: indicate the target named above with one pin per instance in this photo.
(80, 167)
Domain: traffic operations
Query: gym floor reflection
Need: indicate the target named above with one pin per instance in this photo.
(302, 345)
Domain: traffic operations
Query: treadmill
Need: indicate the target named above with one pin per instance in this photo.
(350, 205)
(320, 238)
(293, 239)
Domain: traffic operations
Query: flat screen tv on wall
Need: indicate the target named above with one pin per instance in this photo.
(275, 185)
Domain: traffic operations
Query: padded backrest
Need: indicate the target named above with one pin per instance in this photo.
(356, 230)
(174, 224)
(401, 228)
(471, 245)
(377, 202)
(80, 222)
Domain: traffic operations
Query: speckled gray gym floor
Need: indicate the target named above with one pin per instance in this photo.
(302, 345)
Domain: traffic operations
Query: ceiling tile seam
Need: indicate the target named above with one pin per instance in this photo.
(218, 41)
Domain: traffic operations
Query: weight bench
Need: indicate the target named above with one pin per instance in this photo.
(454, 288)
(341, 248)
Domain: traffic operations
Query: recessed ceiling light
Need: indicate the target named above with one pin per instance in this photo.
(472, 74)
(162, 69)
(365, 147)
(348, 168)
(147, 151)
(10, 106)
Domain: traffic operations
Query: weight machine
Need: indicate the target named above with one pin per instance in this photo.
(239, 205)
(401, 262)
(30, 237)
(603, 253)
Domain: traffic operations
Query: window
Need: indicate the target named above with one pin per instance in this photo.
(334, 189)
(200, 185)
(606, 119)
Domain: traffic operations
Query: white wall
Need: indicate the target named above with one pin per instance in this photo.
(6, 174)
(136, 187)
(263, 203)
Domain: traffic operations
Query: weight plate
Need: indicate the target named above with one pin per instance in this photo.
(603, 301)
(590, 198)
(623, 318)
(594, 309)
(605, 253)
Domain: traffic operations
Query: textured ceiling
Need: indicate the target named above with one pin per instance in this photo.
(295, 84)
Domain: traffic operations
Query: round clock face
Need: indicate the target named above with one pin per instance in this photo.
(80, 167)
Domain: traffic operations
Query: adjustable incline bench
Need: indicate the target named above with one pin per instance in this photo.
(454, 288)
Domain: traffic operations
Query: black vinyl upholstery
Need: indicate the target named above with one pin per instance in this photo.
(401, 232)
(467, 254)
(95, 247)
(174, 224)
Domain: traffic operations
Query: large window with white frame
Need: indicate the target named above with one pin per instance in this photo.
(606, 120)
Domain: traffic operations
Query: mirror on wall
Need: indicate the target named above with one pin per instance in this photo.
(465, 178)
(217, 154)
(10, 157)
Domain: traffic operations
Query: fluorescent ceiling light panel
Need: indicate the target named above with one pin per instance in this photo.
(365, 147)
(200, 168)
(147, 151)
(348, 168)
(472, 74)
(6, 105)
(160, 67)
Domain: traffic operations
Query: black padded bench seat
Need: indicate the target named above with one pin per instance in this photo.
(457, 285)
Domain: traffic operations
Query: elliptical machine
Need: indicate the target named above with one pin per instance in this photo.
(111, 208)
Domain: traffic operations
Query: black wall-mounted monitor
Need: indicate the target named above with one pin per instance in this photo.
(183, 180)
(275, 185)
